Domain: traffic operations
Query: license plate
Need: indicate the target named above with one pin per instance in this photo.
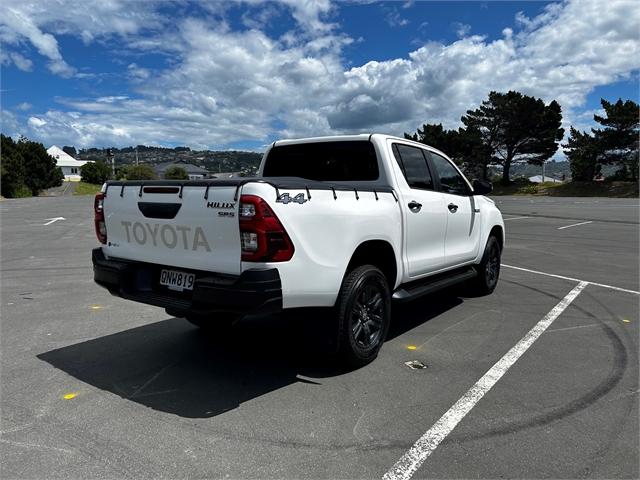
(176, 280)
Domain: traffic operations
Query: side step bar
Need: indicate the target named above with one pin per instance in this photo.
(432, 284)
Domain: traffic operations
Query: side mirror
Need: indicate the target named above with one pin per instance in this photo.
(482, 187)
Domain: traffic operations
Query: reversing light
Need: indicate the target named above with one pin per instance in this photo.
(249, 241)
(247, 210)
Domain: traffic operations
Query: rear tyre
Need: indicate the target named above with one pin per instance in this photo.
(364, 313)
(488, 269)
(213, 322)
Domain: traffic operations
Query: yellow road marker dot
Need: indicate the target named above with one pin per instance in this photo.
(626, 321)
(411, 347)
(96, 307)
(69, 396)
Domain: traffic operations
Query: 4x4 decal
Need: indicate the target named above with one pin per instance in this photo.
(286, 198)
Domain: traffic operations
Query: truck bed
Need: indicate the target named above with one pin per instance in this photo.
(277, 183)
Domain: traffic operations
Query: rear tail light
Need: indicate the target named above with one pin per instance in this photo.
(98, 210)
(262, 236)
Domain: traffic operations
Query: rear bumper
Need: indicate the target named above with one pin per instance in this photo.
(253, 291)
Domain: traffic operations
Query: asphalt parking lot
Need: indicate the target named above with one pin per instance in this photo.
(97, 387)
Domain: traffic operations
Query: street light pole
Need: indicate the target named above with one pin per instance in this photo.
(112, 157)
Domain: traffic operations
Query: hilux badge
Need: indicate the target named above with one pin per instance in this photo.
(221, 205)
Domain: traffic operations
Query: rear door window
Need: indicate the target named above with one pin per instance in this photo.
(413, 164)
(345, 161)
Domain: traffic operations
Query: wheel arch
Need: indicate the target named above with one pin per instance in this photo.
(379, 253)
(498, 232)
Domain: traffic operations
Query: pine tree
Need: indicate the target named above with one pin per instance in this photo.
(582, 151)
(618, 140)
(517, 128)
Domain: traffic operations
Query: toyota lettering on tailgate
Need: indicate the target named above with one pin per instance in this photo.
(180, 236)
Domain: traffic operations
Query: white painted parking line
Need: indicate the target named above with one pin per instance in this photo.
(514, 218)
(574, 225)
(53, 220)
(418, 453)
(603, 285)
(591, 325)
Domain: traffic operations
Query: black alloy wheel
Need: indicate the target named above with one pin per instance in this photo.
(492, 268)
(363, 311)
(488, 269)
(367, 316)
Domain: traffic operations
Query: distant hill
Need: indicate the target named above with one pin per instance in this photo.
(214, 161)
(248, 162)
(552, 169)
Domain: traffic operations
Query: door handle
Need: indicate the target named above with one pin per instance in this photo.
(453, 208)
(415, 206)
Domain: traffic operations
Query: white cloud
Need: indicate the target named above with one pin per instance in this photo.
(584, 121)
(23, 25)
(563, 54)
(24, 106)
(138, 73)
(226, 86)
(39, 22)
(394, 19)
(461, 29)
(36, 122)
(310, 14)
(10, 124)
(259, 18)
(18, 60)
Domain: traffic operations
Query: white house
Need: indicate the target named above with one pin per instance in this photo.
(69, 165)
(547, 178)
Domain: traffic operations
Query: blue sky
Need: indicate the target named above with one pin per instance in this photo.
(241, 74)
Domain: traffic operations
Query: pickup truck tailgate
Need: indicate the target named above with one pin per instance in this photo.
(174, 225)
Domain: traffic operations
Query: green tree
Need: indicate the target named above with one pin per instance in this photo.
(57, 177)
(96, 172)
(582, 151)
(11, 168)
(176, 173)
(40, 168)
(517, 128)
(140, 172)
(464, 146)
(474, 154)
(70, 150)
(618, 140)
(437, 137)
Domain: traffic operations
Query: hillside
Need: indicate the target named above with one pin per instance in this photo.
(552, 169)
(248, 162)
(214, 161)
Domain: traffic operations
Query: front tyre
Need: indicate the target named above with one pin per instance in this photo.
(364, 314)
(488, 269)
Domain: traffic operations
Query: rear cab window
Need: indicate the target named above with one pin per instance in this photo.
(413, 163)
(342, 161)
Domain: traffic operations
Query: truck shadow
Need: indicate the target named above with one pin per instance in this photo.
(173, 367)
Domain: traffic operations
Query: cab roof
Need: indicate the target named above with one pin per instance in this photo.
(334, 138)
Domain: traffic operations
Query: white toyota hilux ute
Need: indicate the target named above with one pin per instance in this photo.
(347, 222)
